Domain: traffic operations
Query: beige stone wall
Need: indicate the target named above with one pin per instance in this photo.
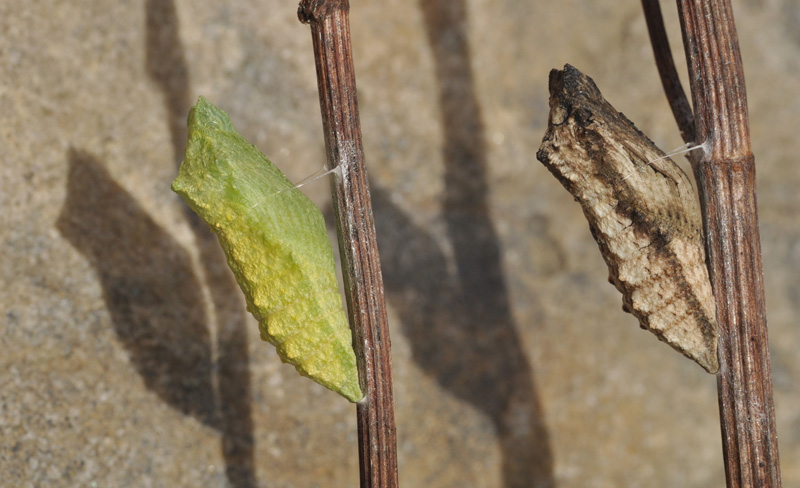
(127, 356)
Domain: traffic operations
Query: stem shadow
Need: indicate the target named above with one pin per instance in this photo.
(460, 327)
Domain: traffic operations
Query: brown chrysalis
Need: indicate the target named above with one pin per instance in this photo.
(642, 212)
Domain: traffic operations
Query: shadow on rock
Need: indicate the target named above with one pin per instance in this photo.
(149, 287)
(464, 337)
(167, 67)
(460, 326)
(158, 312)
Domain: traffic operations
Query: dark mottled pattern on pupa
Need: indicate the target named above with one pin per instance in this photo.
(645, 217)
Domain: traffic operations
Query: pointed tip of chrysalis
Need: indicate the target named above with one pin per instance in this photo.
(207, 116)
(340, 375)
(699, 340)
(204, 122)
(708, 359)
(333, 365)
(352, 392)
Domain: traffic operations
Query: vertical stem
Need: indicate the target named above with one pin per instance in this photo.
(726, 181)
(330, 31)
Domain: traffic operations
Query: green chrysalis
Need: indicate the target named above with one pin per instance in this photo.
(276, 244)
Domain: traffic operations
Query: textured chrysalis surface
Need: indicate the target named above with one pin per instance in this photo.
(275, 241)
(642, 212)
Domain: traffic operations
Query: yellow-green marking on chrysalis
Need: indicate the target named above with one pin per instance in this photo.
(276, 244)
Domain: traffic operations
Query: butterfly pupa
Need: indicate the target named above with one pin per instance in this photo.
(642, 212)
(276, 244)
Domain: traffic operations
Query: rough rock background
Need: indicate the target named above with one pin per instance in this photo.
(127, 356)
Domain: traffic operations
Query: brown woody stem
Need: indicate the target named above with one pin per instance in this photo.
(725, 176)
(330, 31)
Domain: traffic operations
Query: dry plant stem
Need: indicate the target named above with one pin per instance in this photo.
(726, 181)
(330, 30)
(666, 68)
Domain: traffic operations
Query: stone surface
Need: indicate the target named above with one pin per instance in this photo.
(128, 357)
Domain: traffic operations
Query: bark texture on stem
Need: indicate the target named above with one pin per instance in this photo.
(330, 31)
(725, 176)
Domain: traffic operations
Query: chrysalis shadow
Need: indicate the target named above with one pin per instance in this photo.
(157, 308)
(151, 292)
(166, 65)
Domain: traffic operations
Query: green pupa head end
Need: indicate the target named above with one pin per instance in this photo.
(207, 116)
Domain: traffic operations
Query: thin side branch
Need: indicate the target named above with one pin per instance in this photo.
(726, 181)
(363, 282)
(666, 69)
